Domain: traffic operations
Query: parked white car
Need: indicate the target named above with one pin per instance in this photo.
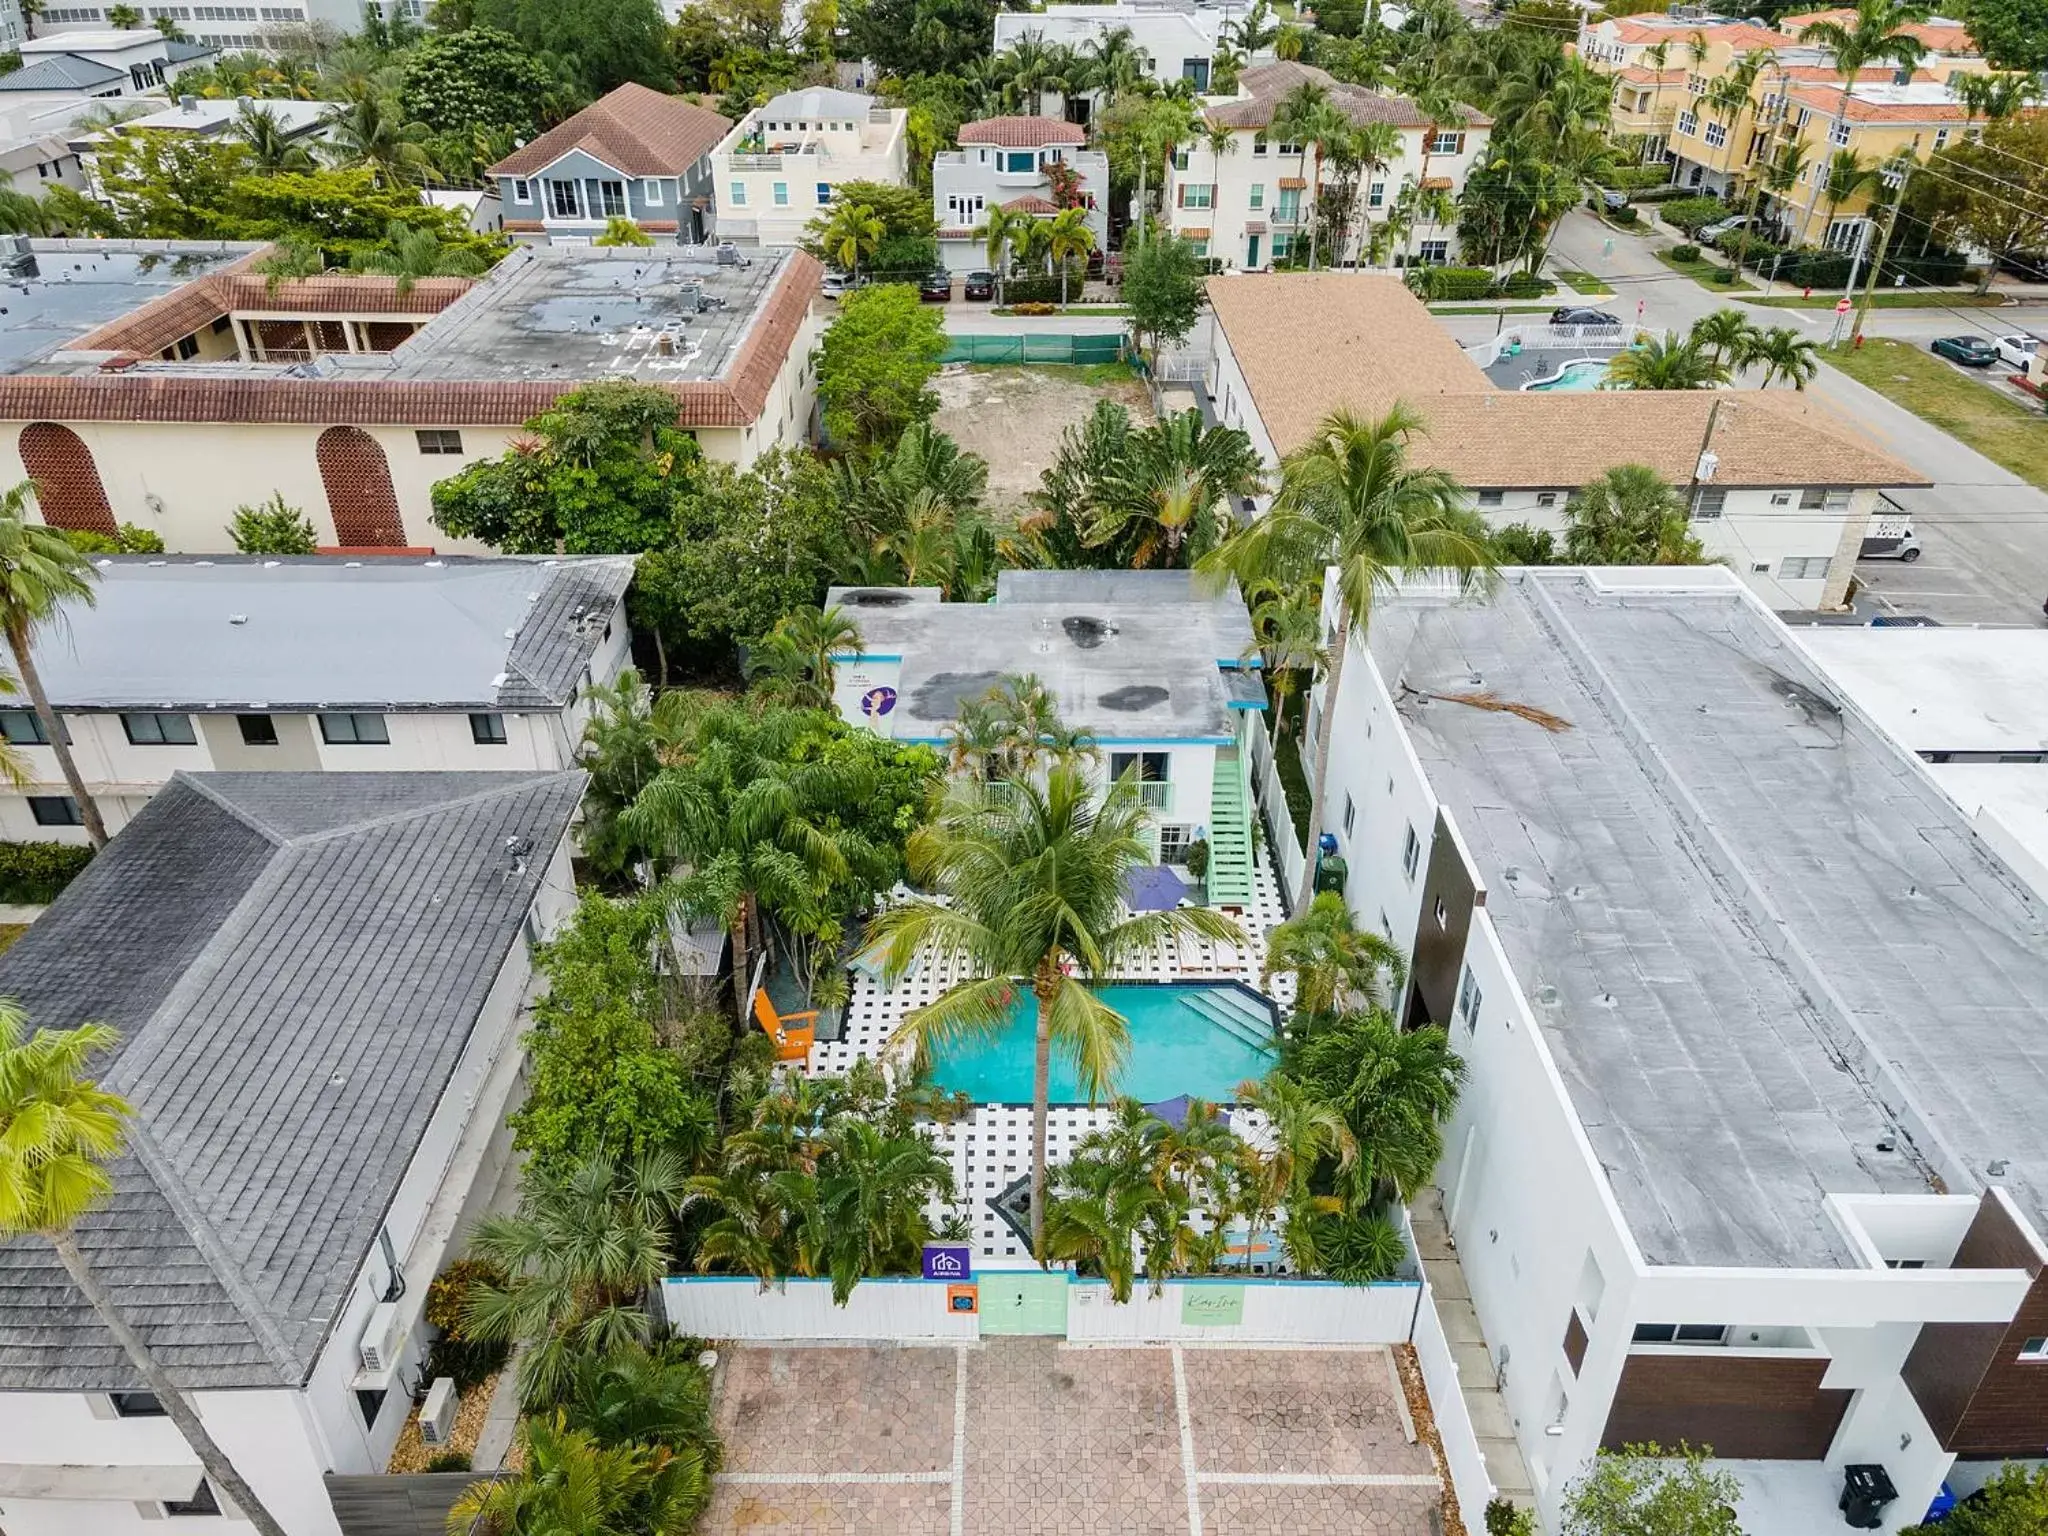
(2017, 350)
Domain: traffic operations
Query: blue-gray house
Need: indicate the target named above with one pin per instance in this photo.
(634, 153)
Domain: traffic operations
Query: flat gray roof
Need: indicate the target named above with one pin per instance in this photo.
(388, 634)
(54, 291)
(1130, 656)
(1744, 918)
(296, 963)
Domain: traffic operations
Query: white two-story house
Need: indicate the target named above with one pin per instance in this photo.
(1251, 206)
(1173, 39)
(782, 163)
(245, 663)
(634, 153)
(1014, 163)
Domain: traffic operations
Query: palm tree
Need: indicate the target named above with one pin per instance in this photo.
(1068, 238)
(1303, 1129)
(1349, 497)
(1435, 100)
(1394, 1088)
(620, 231)
(1848, 174)
(1169, 487)
(853, 231)
(1657, 56)
(583, 1252)
(1727, 333)
(1629, 516)
(869, 1214)
(1296, 117)
(410, 253)
(1994, 97)
(1093, 1221)
(1004, 227)
(1377, 146)
(1324, 129)
(639, 1397)
(1113, 63)
(1289, 43)
(1874, 33)
(41, 571)
(569, 1482)
(58, 1132)
(1033, 886)
(270, 148)
(1253, 31)
(367, 129)
(1335, 963)
(797, 655)
(1787, 355)
(1031, 67)
(124, 17)
(1287, 633)
(1671, 363)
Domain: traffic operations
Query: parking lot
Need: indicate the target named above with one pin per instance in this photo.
(1021, 1436)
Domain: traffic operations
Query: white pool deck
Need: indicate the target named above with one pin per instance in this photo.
(991, 1148)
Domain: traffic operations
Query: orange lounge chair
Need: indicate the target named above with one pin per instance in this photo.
(793, 1033)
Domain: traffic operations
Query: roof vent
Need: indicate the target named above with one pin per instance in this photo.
(238, 618)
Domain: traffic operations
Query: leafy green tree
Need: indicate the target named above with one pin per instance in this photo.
(1520, 544)
(1666, 362)
(618, 752)
(2013, 1503)
(1163, 289)
(2012, 33)
(567, 1482)
(272, 527)
(1335, 963)
(875, 367)
(1992, 194)
(600, 44)
(920, 37)
(901, 210)
(127, 539)
(58, 1132)
(622, 231)
(477, 77)
(1629, 516)
(40, 572)
(603, 476)
(1394, 1088)
(1647, 1490)
(1033, 881)
(795, 659)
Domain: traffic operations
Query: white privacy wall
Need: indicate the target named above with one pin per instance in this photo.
(738, 1307)
(1275, 1312)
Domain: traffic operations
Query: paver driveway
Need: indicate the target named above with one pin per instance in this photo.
(1014, 1436)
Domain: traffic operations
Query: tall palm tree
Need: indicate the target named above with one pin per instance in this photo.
(1994, 97)
(41, 571)
(1787, 355)
(568, 1481)
(1630, 515)
(1726, 333)
(1005, 228)
(1335, 963)
(1395, 1088)
(1294, 120)
(1325, 129)
(1848, 174)
(1672, 362)
(583, 1253)
(269, 146)
(797, 655)
(1875, 32)
(1030, 68)
(1287, 633)
(1113, 63)
(58, 1132)
(1657, 56)
(1350, 497)
(1434, 98)
(1169, 488)
(409, 254)
(1068, 239)
(1033, 886)
(853, 231)
(1377, 147)
(369, 129)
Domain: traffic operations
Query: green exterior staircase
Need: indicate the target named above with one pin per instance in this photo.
(1230, 831)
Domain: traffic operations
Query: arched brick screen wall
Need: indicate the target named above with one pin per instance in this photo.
(359, 493)
(67, 481)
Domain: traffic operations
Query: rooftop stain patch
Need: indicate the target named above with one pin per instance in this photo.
(1135, 696)
(1087, 632)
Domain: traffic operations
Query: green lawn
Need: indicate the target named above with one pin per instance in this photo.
(2003, 430)
(1491, 309)
(1829, 299)
(1586, 284)
(1702, 272)
(9, 932)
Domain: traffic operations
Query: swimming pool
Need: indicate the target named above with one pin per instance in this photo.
(1586, 373)
(1200, 1040)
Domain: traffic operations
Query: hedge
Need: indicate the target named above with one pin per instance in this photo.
(1629, 178)
(1810, 268)
(1623, 214)
(1455, 285)
(1691, 214)
(32, 874)
(1667, 192)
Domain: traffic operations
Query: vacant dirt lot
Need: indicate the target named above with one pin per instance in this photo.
(1033, 1437)
(1013, 416)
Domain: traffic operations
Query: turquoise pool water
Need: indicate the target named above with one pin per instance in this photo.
(1585, 374)
(1198, 1040)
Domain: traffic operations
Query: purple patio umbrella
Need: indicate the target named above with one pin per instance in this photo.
(1153, 888)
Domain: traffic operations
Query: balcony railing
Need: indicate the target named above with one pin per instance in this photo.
(1156, 795)
(757, 162)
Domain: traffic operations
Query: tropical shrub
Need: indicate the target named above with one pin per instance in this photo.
(1630, 178)
(1664, 193)
(35, 874)
(128, 539)
(1691, 213)
(1454, 284)
(1652, 1489)
(1623, 215)
(1504, 1518)
(2013, 1503)
(449, 1461)
(1520, 544)
(1034, 308)
(272, 527)
(471, 1362)
(1685, 253)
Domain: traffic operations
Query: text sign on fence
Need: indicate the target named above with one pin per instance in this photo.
(946, 1261)
(1212, 1306)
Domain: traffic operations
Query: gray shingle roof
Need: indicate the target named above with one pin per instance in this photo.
(295, 963)
(231, 633)
(61, 72)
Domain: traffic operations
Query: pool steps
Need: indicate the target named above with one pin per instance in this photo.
(1235, 1014)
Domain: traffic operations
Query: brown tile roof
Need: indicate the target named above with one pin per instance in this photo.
(1739, 35)
(634, 130)
(733, 401)
(1310, 343)
(1264, 86)
(1642, 74)
(1941, 36)
(1021, 132)
(1031, 203)
(151, 327)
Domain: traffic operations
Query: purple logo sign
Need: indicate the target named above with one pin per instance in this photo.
(877, 702)
(945, 1261)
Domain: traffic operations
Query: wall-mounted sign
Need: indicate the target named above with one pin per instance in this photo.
(962, 1298)
(1212, 1306)
(948, 1261)
(877, 702)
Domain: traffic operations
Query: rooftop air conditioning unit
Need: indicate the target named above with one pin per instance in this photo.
(383, 1338)
(437, 1413)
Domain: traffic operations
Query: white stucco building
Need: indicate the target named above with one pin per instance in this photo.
(1747, 1153)
(1174, 39)
(783, 162)
(313, 664)
(320, 983)
(1252, 205)
(1011, 163)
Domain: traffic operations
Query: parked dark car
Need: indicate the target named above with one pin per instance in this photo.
(980, 286)
(1970, 351)
(937, 288)
(1583, 317)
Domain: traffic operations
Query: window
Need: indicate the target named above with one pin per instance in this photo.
(739, 194)
(1447, 144)
(1282, 246)
(1468, 1000)
(1288, 209)
(1376, 195)
(562, 200)
(650, 189)
(1180, 159)
(1433, 250)
(1546, 498)
(1258, 197)
(202, 1502)
(23, 728)
(136, 1405)
(1199, 248)
(1491, 498)
(1803, 568)
(437, 440)
(55, 811)
(1688, 123)
(522, 191)
(780, 194)
(1287, 149)
(611, 197)
(1941, 138)
(1717, 135)
(188, 347)
(1350, 815)
(487, 730)
(1258, 143)
(1196, 72)
(1411, 854)
(824, 194)
(1708, 505)
(159, 730)
(1697, 84)
(1151, 766)
(2034, 1350)
(369, 1405)
(1020, 160)
(1781, 498)
(354, 731)
(1197, 194)
(1905, 1263)
(1174, 838)
(257, 730)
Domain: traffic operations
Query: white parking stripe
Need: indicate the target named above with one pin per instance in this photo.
(960, 1445)
(1187, 1443)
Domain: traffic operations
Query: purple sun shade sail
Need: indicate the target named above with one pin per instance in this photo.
(1153, 888)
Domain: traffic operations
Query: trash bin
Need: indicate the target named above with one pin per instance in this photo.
(1331, 872)
(1866, 1490)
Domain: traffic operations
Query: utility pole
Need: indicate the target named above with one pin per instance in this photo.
(1855, 268)
(1704, 465)
(1883, 244)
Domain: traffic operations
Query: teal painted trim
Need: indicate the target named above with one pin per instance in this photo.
(1245, 704)
(1239, 664)
(863, 656)
(1165, 741)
